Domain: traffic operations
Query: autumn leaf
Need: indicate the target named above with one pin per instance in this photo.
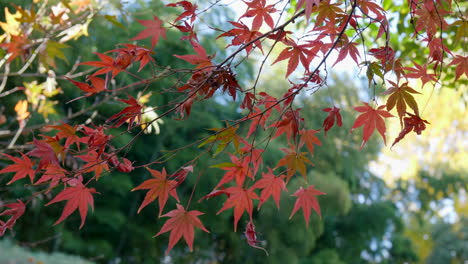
(371, 119)
(15, 210)
(294, 54)
(189, 10)
(98, 85)
(241, 199)
(21, 109)
(202, 60)
(77, 197)
(306, 200)
(181, 223)
(69, 133)
(108, 64)
(271, 186)
(289, 124)
(412, 123)
(420, 72)
(130, 114)
(333, 116)
(22, 168)
(251, 236)
(260, 13)
(153, 30)
(160, 187)
(238, 169)
(94, 163)
(401, 96)
(53, 174)
(44, 152)
(309, 138)
(462, 66)
(309, 5)
(294, 162)
(241, 35)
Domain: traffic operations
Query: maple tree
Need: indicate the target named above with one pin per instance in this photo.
(358, 32)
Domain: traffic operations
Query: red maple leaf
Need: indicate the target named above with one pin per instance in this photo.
(371, 119)
(125, 166)
(153, 30)
(16, 210)
(260, 12)
(202, 60)
(54, 174)
(77, 197)
(45, 152)
(69, 133)
(237, 170)
(95, 163)
(309, 5)
(241, 199)
(22, 168)
(412, 123)
(295, 53)
(181, 223)
(420, 72)
(462, 66)
(95, 138)
(309, 138)
(108, 64)
(251, 236)
(98, 85)
(189, 10)
(271, 186)
(242, 35)
(289, 124)
(306, 200)
(130, 114)
(132, 53)
(347, 49)
(160, 187)
(333, 114)
(430, 18)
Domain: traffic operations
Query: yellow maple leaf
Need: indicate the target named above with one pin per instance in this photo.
(21, 109)
(11, 25)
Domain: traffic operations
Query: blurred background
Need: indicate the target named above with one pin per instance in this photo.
(406, 204)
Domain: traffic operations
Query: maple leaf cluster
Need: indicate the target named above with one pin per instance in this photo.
(331, 27)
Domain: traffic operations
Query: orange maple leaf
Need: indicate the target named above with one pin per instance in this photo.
(294, 161)
(307, 200)
(182, 223)
(271, 186)
(160, 187)
(241, 199)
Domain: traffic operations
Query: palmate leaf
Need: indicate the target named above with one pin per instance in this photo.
(21, 167)
(181, 224)
(154, 30)
(271, 187)
(159, 187)
(306, 200)
(371, 119)
(400, 96)
(241, 199)
(77, 197)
